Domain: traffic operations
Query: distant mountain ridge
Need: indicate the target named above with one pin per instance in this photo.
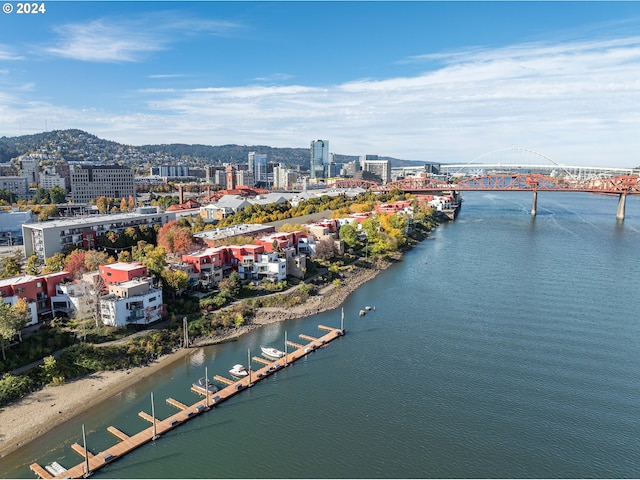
(77, 145)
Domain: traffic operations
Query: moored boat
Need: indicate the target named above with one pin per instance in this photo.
(272, 352)
(239, 371)
(55, 469)
(204, 385)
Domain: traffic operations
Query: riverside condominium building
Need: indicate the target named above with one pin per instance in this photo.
(89, 182)
(47, 238)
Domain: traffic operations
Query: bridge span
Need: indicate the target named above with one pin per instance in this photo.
(620, 185)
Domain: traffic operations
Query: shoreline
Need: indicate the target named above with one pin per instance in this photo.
(26, 419)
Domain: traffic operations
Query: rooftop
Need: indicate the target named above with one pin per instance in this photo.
(225, 232)
(123, 266)
(91, 220)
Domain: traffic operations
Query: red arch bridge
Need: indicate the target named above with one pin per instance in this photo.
(620, 185)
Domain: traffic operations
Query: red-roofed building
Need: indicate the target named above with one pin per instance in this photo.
(282, 239)
(389, 208)
(188, 205)
(121, 272)
(37, 290)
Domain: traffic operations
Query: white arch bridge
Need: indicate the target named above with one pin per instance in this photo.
(524, 161)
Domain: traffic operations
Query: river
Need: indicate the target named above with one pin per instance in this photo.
(504, 347)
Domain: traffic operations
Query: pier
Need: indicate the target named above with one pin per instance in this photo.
(127, 443)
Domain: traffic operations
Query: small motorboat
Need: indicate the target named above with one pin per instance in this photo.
(55, 469)
(204, 385)
(239, 371)
(272, 352)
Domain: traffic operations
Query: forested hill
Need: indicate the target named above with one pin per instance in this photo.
(77, 145)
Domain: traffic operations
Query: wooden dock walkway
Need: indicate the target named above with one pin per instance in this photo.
(129, 443)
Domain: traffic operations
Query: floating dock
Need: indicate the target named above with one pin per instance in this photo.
(129, 443)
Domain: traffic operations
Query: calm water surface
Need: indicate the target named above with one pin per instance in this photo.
(505, 347)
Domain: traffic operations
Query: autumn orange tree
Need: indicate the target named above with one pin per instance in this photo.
(175, 238)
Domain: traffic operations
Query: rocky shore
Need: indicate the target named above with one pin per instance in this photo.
(42, 411)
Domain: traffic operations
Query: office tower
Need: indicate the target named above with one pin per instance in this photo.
(258, 167)
(319, 159)
(89, 182)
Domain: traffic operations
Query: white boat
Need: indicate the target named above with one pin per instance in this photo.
(272, 352)
(238, 371)
(55, 469)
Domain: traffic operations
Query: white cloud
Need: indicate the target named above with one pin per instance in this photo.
(129, 39)
(274, 77)
(574, 102)
(7, 54)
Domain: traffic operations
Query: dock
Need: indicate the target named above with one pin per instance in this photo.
(128, 443)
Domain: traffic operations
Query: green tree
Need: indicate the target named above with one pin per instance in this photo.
(12, 321)
(154, 258)
(231, 286)
(125, 256)
(198, 224)
(47, 212)
(57, 195)
(33, 265)
(174, 281)
(51, 371)
(11, 267)
(349, 235)
(54, 263)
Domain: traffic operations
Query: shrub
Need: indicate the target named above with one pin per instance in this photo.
(13, 387)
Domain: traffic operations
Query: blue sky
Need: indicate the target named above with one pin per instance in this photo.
(435, 81)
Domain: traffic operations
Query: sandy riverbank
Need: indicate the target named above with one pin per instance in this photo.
(42, 411)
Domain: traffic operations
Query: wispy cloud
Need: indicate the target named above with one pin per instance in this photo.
(167, 75)
(569, 99)
(129, 39)
(275, 77)
(7, 54)
(576, 102)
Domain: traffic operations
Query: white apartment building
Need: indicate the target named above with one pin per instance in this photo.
(267, 266)
(131, 302)
(49, 179)
(47, 238)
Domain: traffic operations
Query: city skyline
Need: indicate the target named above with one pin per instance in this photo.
(432, 81)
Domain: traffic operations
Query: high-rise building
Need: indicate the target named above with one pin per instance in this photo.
(30, 168)
(283, 178)
(63, 169)
(258, 167)
(380, 168)
(211, 173)
(319, 159)
(89, 182)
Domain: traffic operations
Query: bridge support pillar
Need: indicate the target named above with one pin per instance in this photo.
(622, 201)
(534, 205)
